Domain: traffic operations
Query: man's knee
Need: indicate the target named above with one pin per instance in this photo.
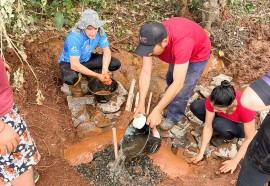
(198, 109)
(70, 79)
(194, 107)
(115, 64)
(221, 129)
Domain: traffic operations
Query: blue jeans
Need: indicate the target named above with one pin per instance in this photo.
(177, 107)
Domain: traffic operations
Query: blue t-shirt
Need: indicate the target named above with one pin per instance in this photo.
(78, 44)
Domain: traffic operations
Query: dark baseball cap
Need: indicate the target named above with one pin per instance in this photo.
(151, 34)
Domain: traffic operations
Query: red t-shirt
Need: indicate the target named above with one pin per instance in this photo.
(240, 115)
(187, 42)
(6, 98)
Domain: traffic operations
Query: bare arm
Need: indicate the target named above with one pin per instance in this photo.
(144, 83)
(252, 101)
(231, 165)
(206, 136)
(106, 59)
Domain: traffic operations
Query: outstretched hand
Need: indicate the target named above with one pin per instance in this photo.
(195, 159)
(139, 110)
(9, 139)
(154, 118)
(229, 165)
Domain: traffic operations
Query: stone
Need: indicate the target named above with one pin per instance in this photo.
(178, 131)
(138, 169)
(166, 134)
(65, 89)
(103, 122)
(86, 127)
(84, 85)
(113, 105)
(181, 142)
(218, 79)
(121, 90)
(224, 152)
(205, 91)
(183, 123)
(113, 115)
(76, 104)
(193, 97)
(193, 118)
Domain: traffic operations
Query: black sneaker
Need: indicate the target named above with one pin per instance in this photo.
(218, 140)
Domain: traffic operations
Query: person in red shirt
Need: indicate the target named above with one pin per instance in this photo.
(185, 46)
(18, 152)
(223, 113)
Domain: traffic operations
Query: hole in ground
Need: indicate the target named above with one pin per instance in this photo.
(136, 171)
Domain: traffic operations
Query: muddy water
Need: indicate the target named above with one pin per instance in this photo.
(103, 92)
(133, 146)
(118, 170)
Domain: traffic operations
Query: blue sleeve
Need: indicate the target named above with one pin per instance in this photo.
(74, 43)
(103, 41)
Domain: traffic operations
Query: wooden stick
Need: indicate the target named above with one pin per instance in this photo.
(115, 143)
(136, 101)
(149, 103)
(130, 97)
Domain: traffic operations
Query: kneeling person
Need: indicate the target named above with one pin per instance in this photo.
(223, 113)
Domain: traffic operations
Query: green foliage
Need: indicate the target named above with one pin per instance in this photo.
(58, 20)
(96, 4)
(194, 4)
(250, 8)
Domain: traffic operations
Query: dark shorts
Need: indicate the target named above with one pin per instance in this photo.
(26, 154)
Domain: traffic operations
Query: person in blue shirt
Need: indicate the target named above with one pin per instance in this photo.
(78, 58)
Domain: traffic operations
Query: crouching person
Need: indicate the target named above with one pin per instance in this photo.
(224, 115)
(77, 57)
(255, 169)
(18, 152)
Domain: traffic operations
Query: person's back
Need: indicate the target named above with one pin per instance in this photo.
(255, 169)
(187, 41)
